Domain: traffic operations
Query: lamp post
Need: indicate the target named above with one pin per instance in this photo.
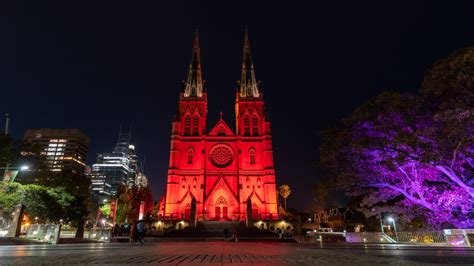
(390, 219)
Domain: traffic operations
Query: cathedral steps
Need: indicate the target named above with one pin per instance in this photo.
(215, 229)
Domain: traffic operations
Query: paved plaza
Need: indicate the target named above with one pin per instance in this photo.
(215, 253)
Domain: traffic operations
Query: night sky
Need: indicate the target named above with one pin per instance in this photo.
(101, 65)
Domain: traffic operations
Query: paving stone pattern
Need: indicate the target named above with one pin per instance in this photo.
(226, 254)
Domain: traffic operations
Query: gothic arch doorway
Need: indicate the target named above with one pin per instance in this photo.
(221, 209)
(187, 211)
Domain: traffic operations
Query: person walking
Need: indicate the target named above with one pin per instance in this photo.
(115, 231)
(132, 234)
(234, 236)
(141, 232)
(226, 235)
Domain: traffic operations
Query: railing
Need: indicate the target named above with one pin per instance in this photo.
(421, 237)
(450, 237)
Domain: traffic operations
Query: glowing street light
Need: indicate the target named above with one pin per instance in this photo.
(24, 167)
(390, 219)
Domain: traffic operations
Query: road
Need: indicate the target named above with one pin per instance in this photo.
(243, 253)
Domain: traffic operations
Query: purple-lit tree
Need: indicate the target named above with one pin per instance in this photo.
(409, 154)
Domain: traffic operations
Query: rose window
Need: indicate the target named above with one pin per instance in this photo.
(221, 156)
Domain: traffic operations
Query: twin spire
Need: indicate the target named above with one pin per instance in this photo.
(194, 86)
(248, 83)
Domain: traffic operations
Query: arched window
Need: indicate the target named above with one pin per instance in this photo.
(196, 125)
(187, 125)
(246, 125)
(190, 156)
(255, 125)
(252, 156)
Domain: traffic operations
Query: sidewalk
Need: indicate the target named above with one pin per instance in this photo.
(14, 241)
(8, 241)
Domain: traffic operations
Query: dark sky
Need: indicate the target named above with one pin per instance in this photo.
(99, 65)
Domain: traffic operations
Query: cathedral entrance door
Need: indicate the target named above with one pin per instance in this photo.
(224, 212)
(221, 208)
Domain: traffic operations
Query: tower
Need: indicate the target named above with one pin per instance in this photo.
(221, 169)
(253, 126)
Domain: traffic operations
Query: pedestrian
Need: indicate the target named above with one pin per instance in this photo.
(226, 235)
(141, 232)
(234, 236)
(280, 234)
(132, 233)
(122, 230)
(115, 231)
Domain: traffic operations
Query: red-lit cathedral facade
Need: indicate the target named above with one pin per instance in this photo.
(221, 169)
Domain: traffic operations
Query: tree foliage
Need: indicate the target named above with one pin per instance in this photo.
(411, 154)
(129, 200)
(105, 209)
(48, 204)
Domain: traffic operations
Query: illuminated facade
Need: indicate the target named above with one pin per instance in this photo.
(222, 169)
(63, 149)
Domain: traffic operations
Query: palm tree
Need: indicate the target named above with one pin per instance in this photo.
(285, 191)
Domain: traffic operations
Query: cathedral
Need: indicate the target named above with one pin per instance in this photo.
(224, 171)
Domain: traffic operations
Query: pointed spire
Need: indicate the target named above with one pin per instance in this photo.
(194, 85)
(248, 83)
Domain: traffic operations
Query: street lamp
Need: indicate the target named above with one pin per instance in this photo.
(390, 219)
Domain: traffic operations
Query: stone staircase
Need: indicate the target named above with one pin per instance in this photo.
(208, 230)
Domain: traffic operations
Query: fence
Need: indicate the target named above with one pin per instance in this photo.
(449, 237)
(422, 237)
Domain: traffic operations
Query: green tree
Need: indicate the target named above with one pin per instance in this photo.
(10, 196)
(124, 205)
(105, 209)
(48, 204)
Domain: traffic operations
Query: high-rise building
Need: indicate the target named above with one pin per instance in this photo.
(226, 171)
(114, 169)
(63, 149)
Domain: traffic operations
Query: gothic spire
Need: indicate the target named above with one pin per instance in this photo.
(194, 85)
(248, 83)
